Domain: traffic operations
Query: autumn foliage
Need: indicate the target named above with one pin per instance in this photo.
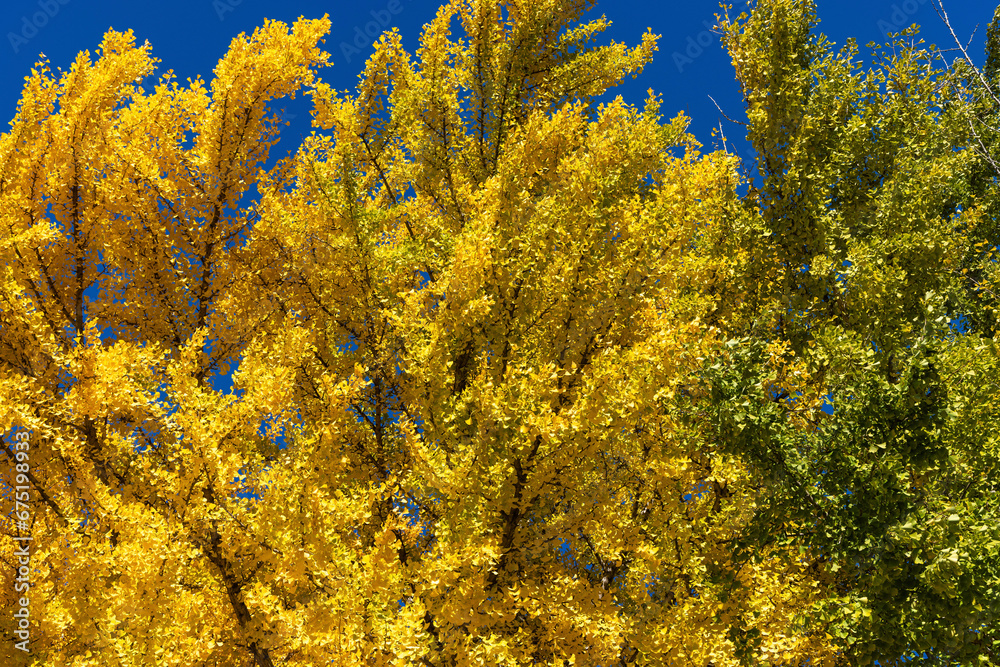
(521, 375)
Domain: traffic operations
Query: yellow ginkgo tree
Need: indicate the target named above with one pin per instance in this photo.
(467, 322)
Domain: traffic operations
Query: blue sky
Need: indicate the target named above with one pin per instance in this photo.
(189, 36)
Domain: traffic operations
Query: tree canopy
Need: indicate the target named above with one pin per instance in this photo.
(521, 374)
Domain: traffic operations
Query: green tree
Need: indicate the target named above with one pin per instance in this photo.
(872, 218)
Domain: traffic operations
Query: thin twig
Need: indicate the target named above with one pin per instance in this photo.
(939, 8)
(738, 122)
